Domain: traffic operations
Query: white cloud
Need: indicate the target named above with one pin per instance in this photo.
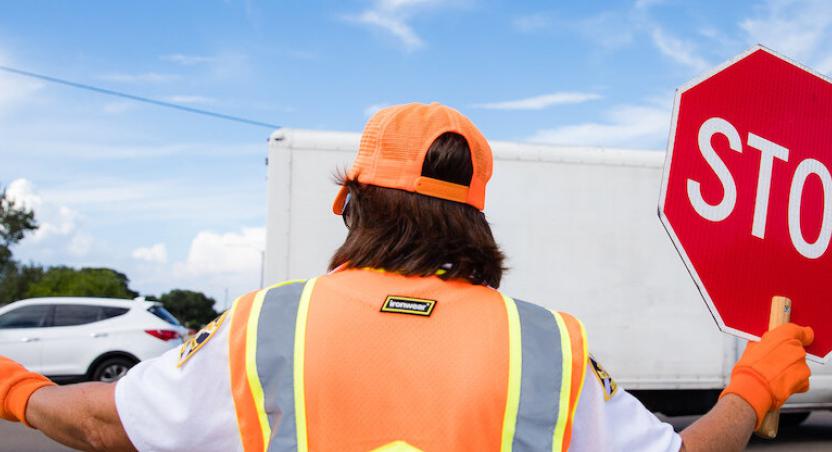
(639, 126)
(609, 29)
(80, 244)
(644, 4)
(614, 29)
(709, 32)
(393, 25)
(301, 54)
(824, 65)
(184, 99)
(224, 254)
(53, 220)
(114, 150)
(147, 77)
(678, 50)
(221, 265)
(59, 226)
(22, 195)
(374, 108)
(800, 29)
(393, 16)
(14, 89)
(223, 65)
(187, 60)
(118, 107)
(392, 5)
(63, 223)
(530, 23)
(540, 102)
(157, 253)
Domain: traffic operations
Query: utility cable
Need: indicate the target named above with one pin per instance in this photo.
(146, 100)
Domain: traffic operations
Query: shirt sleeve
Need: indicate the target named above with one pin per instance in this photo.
(165, 406)
(614, 420)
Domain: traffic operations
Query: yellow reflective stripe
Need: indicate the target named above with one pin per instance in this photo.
(251, 361)
(584, 355)
(438, 272)
(251, 367)
(515, 366)
(300, 349)
(566, 383)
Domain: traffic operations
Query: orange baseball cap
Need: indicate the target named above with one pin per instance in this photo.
(393, 148)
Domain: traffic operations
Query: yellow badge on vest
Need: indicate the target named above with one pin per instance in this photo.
(408, 305)
(609, 385)
(397, 446)
(195, 342)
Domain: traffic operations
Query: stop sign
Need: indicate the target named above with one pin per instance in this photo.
(747, 193)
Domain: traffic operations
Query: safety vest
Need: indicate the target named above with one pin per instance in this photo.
(359, 360)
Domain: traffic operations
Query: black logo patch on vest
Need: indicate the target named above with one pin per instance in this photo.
(603, 377)
(407, 305)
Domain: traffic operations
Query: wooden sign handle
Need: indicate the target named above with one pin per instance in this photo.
(781, 311)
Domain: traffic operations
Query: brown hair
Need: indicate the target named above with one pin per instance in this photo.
(412, 234)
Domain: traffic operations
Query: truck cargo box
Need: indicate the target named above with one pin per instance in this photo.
(580, 230)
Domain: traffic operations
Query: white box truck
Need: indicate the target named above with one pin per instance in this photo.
(580, 229)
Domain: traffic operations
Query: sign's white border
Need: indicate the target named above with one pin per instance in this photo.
(666, 173)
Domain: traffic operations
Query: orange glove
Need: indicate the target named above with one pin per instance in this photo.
(773, 369)
(16, 386)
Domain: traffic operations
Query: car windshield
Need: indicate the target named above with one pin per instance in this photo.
(163, 314)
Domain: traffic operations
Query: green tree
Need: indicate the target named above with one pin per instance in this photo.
(15, 222)
(193, 309)
(84, 282)
(15, 279)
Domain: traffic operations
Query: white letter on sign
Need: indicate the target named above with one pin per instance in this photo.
(810, 250)
(721, 210)
(768, 151)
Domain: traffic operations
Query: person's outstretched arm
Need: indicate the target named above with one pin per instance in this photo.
(765, 376)
(727, 427)
(161, 403)
(81, 416)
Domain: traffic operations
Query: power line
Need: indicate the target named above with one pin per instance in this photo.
(146, 100)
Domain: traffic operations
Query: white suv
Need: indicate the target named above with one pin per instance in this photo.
(72, 339)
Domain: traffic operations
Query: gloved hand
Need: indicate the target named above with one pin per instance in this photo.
(16, 386)
(773, 369)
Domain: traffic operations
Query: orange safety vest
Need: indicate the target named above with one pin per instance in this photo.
(360, 359)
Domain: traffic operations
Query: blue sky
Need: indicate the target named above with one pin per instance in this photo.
(178, 200)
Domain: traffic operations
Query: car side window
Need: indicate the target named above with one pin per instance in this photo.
(25, 317)
(108, 312)
(75, 314)
(163, 314)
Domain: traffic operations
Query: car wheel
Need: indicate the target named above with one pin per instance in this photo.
(111, 369)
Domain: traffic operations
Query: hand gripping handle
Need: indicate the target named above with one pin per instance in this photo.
(781, 310)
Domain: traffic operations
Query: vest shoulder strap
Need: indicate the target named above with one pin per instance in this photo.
(272, 317)
(578, 360)
(551, 364)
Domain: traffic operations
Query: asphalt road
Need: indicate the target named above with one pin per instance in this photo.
(15, 437)
(813, 435)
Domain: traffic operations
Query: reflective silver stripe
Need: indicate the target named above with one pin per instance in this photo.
(275, 362)
(541, 379)
(541, 370)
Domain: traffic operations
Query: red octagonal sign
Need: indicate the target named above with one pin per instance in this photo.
(747, 193)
